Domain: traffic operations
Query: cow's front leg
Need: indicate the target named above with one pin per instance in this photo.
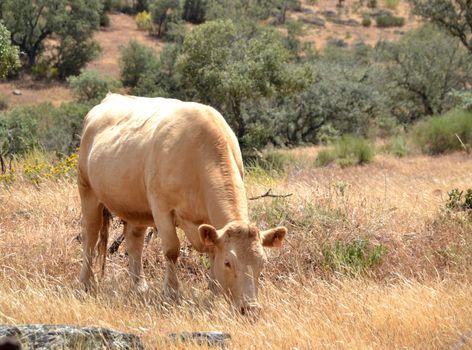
(171, 249)
(134, 237)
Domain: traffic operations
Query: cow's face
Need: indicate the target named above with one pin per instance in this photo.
(238, 259)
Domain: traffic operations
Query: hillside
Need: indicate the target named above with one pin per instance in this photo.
(341, 26)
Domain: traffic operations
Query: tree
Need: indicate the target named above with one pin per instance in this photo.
(224, 65)
(421, 70)
(455, 16)
(161, 13)
(8, 53)
(72, 22)
(194, 11)
(136, 61)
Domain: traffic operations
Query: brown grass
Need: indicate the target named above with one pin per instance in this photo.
(419, 297)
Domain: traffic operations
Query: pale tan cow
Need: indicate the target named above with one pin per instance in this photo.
(167, 163)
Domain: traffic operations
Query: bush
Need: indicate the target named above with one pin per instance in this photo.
(3, 102)
(398, 146)
(348, 150)
(387, 21)
(458, 200)
(276, 162)
(355, 257)
(366, 21)
(391, 4)
(441, 134)
(135, 61)
(92, 86)
(144, 21)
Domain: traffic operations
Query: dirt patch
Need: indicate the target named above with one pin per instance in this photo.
(122, 29)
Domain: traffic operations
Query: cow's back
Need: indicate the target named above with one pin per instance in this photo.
(134, 146)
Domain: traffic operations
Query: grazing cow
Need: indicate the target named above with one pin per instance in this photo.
(167, 163)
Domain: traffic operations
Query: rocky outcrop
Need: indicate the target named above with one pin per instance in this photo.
(42, 337)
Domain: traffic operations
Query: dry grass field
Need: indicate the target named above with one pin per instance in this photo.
(416, 295)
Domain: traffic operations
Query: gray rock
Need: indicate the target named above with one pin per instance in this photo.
(308, 11)
(42, 337)
(337, 43)
(329, 14)
(17, 92)
(315, 21)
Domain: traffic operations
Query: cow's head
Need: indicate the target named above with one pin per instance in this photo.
(238, 259)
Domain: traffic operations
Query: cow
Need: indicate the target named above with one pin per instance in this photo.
(168, 163)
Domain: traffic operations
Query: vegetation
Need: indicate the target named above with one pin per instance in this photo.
(447, 133)
(91, 86)
(70, 22)
(346, 151)
(387, 21)
(136, 61)
(455, 16)
(9, 59)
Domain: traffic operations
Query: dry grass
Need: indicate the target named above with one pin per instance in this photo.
(419, 297)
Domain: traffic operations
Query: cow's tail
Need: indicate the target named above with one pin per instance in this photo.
(103, 239)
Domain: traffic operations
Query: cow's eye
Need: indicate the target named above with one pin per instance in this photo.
(227, 264)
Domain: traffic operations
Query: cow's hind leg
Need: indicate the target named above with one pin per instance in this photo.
(134, 237)
(92, 219)
(171, 249)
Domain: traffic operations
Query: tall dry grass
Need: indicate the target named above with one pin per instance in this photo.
(417, 297)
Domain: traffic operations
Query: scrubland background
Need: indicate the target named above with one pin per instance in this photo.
(359, 109)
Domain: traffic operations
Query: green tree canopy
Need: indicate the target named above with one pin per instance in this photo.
(72, 22)
(453, 15)
(224, 65)
(8, 53)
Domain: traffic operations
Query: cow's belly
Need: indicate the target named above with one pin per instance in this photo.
(116, 175)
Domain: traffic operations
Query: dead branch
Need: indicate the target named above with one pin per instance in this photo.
(271, 195)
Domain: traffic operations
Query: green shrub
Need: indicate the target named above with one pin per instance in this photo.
(391, 4)
(346, 151)
(366, 21)
(135, 61)
(3, 102)
(442, 134)
(273, 161)
(458, 200)
(144, 21)
(325, 157)
(398, 145)
(354, 257)
(372, 4)
(92, 86)
(387, 21)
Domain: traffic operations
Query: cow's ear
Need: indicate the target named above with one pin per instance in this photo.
(208, 235)
(273, 238)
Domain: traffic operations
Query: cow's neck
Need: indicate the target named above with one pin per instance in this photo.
(226, 196)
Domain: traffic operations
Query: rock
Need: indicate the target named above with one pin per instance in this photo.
(201, 338)
(337, 42)
(42, 337)
(314, 20)
(17, 92)
(398, 32)
(329, 14)
(9, 343)
(308, 11)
